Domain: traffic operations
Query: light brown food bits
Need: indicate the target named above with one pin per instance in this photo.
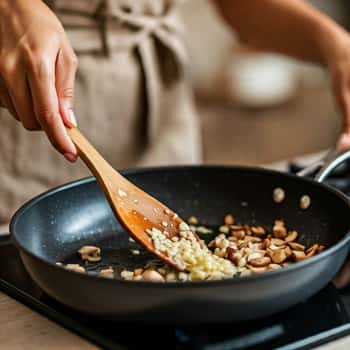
(279, 230)
(277, 256)
(127, 275)
(321, 248)
(258, 230)
(138, 272)
(278, 195)
(239, 234)
(259, 262)
(257, 269)
(296, 246)
(277, 241)
(192, 220)
(108, 272)
(75, 268)
(90, 253)
(229, 220)
(299, 255)
(152, 276)
(305, 202)
(292, 236)
(224, 229)
(274, 267)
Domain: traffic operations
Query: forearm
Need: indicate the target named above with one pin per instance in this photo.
(291, 27)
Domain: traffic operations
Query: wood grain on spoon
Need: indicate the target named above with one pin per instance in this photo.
(135, 209)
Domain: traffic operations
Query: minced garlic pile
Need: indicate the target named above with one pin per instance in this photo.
(192, 255)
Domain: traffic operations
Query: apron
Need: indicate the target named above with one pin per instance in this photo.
(133, 99)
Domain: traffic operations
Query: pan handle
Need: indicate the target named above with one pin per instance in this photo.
(326, 165)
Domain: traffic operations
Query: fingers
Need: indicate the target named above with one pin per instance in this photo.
(5, 100)
(66, 67)
(22, 102)
(46, 108)
(342, 93)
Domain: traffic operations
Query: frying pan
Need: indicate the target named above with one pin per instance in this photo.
(54, 225)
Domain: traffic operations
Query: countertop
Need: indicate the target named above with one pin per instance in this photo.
(22, 328)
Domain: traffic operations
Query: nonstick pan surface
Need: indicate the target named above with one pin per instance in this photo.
(53, 226)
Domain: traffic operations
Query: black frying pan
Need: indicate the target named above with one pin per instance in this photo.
(53, 226)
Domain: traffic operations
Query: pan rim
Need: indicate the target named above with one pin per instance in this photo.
(193, 284)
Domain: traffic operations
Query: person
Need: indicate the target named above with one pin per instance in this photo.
(132, 92)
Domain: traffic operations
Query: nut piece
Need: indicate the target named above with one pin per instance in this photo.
(305, 202)
(278, 256)
(152, 276)
(192, 220)
(257, 269)
(238, 234)
(224, 229)
(127, 275)
(279, 230)
(312, 251)
(274, 267)
(258, 230)
(90, 253)
(278, 195)
(296, 246)
(229, 220)
(75, 268)
(277, 241)
(321, 248)
(292, 236)
(109, 273)
(259, 262)
(299, 255)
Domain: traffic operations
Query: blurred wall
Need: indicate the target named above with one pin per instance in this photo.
(308, 122)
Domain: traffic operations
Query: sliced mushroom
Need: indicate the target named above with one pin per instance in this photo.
(90, 253)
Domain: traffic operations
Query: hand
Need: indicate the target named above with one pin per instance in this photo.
(37, 71)
(337, 55)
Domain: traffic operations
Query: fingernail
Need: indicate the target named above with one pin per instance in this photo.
(72, 118)
(70, 157)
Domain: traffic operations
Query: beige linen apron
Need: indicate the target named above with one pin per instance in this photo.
(133, 99)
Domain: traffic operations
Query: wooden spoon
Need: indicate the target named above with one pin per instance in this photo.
(135, 209)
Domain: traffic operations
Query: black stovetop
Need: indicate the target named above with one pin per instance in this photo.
(322, 318)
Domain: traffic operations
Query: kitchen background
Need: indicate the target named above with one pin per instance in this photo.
(257, 108)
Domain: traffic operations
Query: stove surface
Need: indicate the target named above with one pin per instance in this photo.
(322, 318)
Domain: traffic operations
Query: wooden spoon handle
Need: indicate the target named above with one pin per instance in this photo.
(91, 157)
